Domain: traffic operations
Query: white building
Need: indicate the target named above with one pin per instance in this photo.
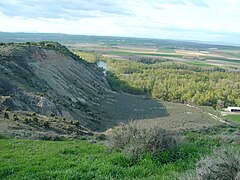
(233, 109)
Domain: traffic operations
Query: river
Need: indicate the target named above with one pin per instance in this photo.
(103, 65)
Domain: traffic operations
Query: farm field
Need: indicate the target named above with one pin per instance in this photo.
(195, 56)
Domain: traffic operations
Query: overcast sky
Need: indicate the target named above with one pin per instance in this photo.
(205, 20)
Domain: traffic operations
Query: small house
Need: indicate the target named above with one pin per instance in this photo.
(233, 109)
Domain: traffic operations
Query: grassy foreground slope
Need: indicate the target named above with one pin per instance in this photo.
(235, 118)
(79, 159)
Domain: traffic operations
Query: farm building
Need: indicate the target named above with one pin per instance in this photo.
(234, 109)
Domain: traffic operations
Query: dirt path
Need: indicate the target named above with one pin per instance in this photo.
(210, 114)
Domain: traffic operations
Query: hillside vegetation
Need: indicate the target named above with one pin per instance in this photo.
(177, 82)
(78, 159)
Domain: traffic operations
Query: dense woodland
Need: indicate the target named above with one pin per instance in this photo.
(177, 82)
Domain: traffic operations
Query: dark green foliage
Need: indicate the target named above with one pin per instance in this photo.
(177, 82)
(2, 136)
(100, 136)
(27, 120)
(5, 115)
(15, 118)
(77, 123)
(35, 119)
(146, 60)
(46, 124)
(52, 115)
(120, 85)
(7, 109)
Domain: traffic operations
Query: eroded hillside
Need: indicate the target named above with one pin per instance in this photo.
(50, 80)
(59, 87)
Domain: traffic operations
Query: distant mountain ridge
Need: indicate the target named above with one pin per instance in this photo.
(69, 39)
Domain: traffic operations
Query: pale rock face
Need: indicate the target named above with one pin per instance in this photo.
(43, 103)
(238, 176)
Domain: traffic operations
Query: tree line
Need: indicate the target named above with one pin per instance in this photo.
(178, 82)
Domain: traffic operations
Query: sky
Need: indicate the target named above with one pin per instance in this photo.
(202, 20)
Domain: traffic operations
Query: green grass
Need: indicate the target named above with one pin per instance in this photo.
(166, 50)
(222, 59)
(198, 63)
(232, 54)
(143, 54)
(233, 61)
(163, 55)
(73, 159)
(235, 118)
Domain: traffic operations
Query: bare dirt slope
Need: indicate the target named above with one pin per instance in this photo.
(49, 81)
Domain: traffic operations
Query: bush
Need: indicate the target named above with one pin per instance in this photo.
(46, 136)
(15, 118)
(77, 123)
(5, 115)
(35, 119)
(26, 120)
(2, 136)
(46, 124)
(100, 136)
(52, 115)
(136, 141)
(223, 165)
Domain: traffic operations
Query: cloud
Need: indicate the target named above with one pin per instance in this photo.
(213, 20)
(159, 3)
(62, 8)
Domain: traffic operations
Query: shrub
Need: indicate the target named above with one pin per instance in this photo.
(52, 115)
(7, 109)
(46, 124)
(136, 141)
(46, 136)
(223, 165)
(2, 136)
(100, 136)
(77, 123)
(35, 119)
(5, 115)
(26, 120)
(15, 118)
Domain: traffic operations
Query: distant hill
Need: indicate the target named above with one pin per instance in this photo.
(108, 40)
